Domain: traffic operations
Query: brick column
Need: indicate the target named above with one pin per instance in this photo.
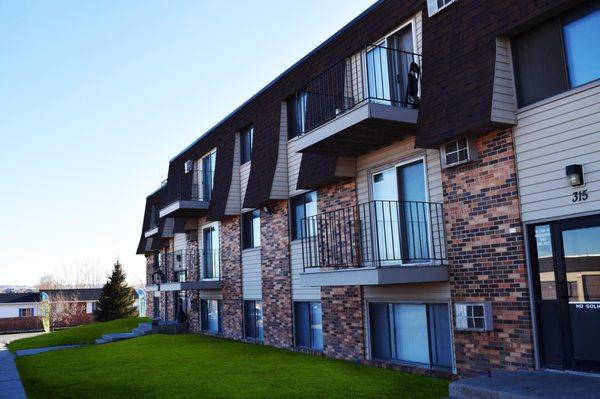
(149, 294)
(192, 264)
(276, 275)
(486, 260)
(343, 318)
(231, 274)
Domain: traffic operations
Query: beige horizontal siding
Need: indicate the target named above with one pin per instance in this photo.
(558, 132)
(251, 273)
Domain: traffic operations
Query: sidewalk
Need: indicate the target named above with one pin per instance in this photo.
(10, 382)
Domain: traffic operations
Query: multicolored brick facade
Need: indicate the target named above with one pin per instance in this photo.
(487, 257)
(231, 269)
(386, 152)
(276, 275)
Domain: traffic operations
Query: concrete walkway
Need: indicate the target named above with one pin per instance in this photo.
(528, 384)
(35, 351)
(10, 382)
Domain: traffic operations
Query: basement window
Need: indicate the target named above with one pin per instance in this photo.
(458, 152)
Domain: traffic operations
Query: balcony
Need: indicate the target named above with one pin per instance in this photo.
(179, 271)
(152, 223)
(187, 200)
(362, 103)
(375, 243)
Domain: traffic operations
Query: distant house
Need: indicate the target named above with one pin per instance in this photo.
(21, 311)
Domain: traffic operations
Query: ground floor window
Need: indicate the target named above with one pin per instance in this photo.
(210, 311)
(253, 320)
(25, 312)
(308, 325)
(413, 333)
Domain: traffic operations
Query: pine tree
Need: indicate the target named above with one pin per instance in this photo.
(117, 298)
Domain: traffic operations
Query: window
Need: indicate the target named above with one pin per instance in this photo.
(94, 306)
(473, 316)
(25, 312)
(246, 139)
(207, 174)
(458, 152)
(413, 333)
(434, 6)
(296, 113)
(303, 206)
(558, 55)
(253, 320)
(308, 325)
(251, 229)
(210, 313)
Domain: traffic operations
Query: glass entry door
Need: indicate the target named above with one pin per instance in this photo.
(567, 262)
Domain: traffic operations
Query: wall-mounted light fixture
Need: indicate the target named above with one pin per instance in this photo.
(267, 209)
(575, 175)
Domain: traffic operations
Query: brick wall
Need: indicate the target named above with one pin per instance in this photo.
(486, 261)
(343, 318)
(276, 275)
(231, 273)
(149, 294)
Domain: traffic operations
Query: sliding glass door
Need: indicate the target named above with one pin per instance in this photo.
(210, 252)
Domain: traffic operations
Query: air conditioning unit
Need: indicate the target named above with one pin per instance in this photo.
(188, 166)
(473, 316)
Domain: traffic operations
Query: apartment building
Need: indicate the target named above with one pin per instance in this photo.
(420, 192)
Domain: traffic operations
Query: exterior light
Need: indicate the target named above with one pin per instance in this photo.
(575, 175)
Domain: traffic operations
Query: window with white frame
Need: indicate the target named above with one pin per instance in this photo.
(435, 6)
(458, 151)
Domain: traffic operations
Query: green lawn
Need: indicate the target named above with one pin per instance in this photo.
(84, 334)
(183, 366)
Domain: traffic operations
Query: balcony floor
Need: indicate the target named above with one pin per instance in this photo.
(185, 209)
(385, 275)
(367, 127)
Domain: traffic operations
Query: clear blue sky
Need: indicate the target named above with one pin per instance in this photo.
(97, 96)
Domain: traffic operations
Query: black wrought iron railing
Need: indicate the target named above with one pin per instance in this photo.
(172, 267)
(210, 264)
(375, 234)
(376, 74)
(201, 191)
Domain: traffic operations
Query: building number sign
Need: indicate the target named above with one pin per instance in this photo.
(580, 196)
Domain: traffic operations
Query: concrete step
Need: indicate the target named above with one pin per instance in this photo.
(141, 329)
(527, 384)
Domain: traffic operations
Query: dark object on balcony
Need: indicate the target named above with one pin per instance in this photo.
(412, 89)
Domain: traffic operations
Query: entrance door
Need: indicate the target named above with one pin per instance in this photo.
(567, 261)
(400, 215)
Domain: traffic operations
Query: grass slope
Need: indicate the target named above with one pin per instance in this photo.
(84, 334)
(186, 366)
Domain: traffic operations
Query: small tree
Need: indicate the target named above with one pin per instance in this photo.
(117, 298)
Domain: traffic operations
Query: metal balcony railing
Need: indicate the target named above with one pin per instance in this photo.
(173, 267)
(375, 74)
(375, 234)
(202, 191)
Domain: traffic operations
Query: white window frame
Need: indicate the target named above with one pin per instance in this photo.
(201, 248)
(471, 152)
(395, 166)
(433, 8)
